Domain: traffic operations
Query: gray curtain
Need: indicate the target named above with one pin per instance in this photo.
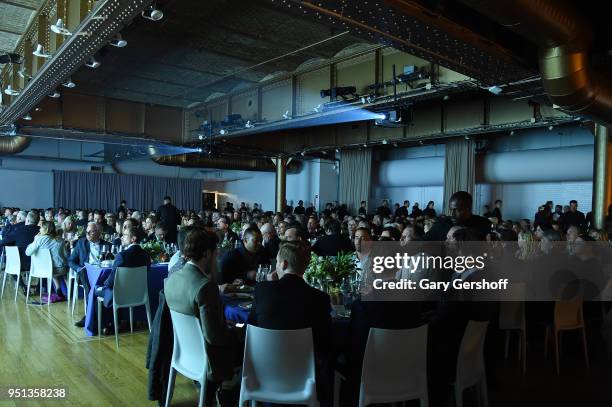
(73, 190)
(355, 173)
(458, 168)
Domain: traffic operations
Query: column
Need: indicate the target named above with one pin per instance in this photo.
(601, 188)
(281, 183)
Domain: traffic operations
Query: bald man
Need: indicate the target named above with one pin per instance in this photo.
(460, 207)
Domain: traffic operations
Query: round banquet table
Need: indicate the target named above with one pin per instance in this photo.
(97, 275)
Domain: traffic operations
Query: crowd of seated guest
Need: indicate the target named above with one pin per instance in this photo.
(251, 237)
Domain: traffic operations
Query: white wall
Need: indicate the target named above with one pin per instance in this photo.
(528, 168)
(316, 181)
(415, 174)
(26, 189)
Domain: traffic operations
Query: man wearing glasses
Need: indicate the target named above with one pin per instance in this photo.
(87, 250)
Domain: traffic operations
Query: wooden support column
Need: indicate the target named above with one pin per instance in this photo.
(281, 183)
(601, 175)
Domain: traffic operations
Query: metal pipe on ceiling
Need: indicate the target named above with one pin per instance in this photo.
(14, 144)
(245, 164)
(564, 39)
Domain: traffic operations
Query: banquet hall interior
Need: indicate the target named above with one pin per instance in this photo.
(191, 192)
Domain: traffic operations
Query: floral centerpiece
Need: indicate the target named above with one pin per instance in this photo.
(155, 250)
(328, 273)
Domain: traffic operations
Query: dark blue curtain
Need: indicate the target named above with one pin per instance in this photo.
(105, 191)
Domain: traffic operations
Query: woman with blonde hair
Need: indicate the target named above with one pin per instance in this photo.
(47, 239)
(527, 246)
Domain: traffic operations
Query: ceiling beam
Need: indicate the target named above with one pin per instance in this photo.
(9, 31)
(17, 4)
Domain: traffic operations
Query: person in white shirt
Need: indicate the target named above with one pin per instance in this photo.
(48, 239)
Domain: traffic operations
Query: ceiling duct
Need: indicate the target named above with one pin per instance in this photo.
(564, 39)
(13, 144)
(243, 164)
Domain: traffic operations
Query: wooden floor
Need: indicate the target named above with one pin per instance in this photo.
(41, 347)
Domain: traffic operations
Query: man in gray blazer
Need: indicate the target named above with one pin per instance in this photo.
(192, 291)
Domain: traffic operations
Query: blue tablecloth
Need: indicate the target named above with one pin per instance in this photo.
(97, 275)
(233, 311)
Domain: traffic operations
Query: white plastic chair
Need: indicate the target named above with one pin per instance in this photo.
(74, 292)
(13, 267)
(278, 367)
(189, 354)
(394, 367)
(41, 267)
(130, 289)
(512, 318)
(470, 363)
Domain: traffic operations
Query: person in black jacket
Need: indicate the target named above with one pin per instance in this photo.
(290, 303)
(496, 212)
(363, 211)
(573, 217)
(460, 205)
(242, 263)
(299, 210)
(384, 210)
(333, 242)
(169, 216)
(430, 211)
(21, 235)
(132, 256)
(402, 211)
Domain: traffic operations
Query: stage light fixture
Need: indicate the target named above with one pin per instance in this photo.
(59, 28)
(249, 125)
(385, 142)
(40, 52)
(118, 41)
(286, 116)
(153, 13)
(54, 95)
(69, 83)
(92, 63)
(496, 90)
(27, 117)
(22, 73)
(342, 91)
(223, 132)
(10, 91)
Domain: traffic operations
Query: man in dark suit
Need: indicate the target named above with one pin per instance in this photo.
(402, 212)
(241, 263)
(169, 216)
(332, 243)
(290, 303)
(384, 210)
(87, 250)
(299, 210)
(82, 221)
(363, 211)
(21, 235)
(460, 205)
(132, 256)
(193, 291)
(271, 241)
(573, 217)
(225, 233)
